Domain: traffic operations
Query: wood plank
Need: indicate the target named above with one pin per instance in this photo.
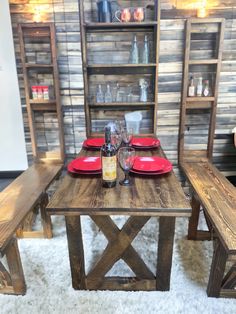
(118, 25)
(123, 283)
(15, 267)
(76, 252)
(18, 198)
(164, 195)
(130, 256)
(193, 222)
(207, 61)
(217, 271)
(219, 200)
(165, 251)
(115, 250)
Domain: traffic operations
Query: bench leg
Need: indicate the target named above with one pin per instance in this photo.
(15, 269)
(217, 271)
(193, 221)
(26, 228)
(46, 219)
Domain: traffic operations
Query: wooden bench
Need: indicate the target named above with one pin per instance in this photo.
(217, 196)
(17, 201)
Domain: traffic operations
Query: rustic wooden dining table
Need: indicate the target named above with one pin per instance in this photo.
(149, 196)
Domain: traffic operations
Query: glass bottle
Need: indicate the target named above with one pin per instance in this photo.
(134, 52)
(199, 87)
(143, 90)
(145, 51)
(206, 89)
(129, 94)
(109, 161)
(108, 95)
(99, 94)
(191, 88)
(120, 94)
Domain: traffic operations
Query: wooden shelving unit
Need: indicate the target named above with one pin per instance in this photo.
(41, 34)
(101, 67)
(210, 28)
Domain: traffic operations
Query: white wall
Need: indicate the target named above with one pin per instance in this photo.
(12, 143)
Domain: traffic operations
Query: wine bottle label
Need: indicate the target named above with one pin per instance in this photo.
(206, 92)
(109, 168)
(191, 91)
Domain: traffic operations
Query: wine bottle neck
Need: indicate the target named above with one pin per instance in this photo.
(107, 136)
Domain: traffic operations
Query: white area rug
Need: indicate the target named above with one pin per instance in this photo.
(47, 273)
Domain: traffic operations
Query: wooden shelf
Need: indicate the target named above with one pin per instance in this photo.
(122, 65)
(120, 25)
(204, 26)
(38, 65)
(49, 106)
(39, 33)
(28, 32)
(121, 69)
(206, 61)
(122, 72)
(122, 104)
(200, 99)
(203, 105)
(42, 101)
(43, 105)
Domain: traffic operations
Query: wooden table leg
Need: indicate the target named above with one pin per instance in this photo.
(76, 251)
(165, 252)
(217, 270)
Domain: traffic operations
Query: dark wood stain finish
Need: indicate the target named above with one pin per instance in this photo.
(151, 196)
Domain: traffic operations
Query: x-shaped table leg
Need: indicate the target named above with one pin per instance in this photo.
(119, 246)
(130, 256)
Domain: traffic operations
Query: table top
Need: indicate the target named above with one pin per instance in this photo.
(148, 196)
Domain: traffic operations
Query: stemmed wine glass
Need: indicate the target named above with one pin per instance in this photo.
(127, 135)
(126, 157)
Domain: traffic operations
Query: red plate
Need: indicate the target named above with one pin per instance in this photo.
(90, 147)
(145, 142)
(154, 173)
(150, 163)
(95, 142)
(87, 164)
(73, 171)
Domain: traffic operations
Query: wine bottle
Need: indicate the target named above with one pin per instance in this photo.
(199, 87)
(109, 161)
(206, 90)
(191, 88)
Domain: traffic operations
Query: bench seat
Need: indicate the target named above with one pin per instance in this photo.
(17, 200)
(217, 196)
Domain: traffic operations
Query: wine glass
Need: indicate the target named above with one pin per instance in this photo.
(116, 139)
(126, 157)
(127, 135)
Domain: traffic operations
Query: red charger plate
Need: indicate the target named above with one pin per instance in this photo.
(145, 142)
(94, 142)
(150, 163)
(73, 171)
(87, 163)
(154, 173)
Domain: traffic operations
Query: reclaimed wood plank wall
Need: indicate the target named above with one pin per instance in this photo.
(64, 13)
